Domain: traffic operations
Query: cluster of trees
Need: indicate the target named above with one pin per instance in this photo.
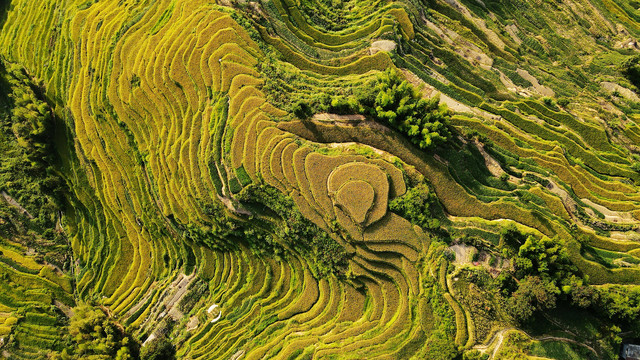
(417, 205)
(25, 150)
(543, 271)
(292, 230)
(543, 276)
(532, 294)
(392, 100)
(158, 349)
(286, 228)
(26, 172)
(620, 303)
(402, 106)
(92, 335)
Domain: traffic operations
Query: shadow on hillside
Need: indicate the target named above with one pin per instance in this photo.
(5, 5)
(5, 100)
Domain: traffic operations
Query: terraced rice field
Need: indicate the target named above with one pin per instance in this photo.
(174, 120)
(29, 289)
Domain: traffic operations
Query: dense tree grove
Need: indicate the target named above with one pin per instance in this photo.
(391, 100)
(542, 272)
(31, 191)
(544, 257)
(533, 294)
(92, 335)
(294, 231)
(621, 303)
(26, 173)
(158, 349)
(417, 206)
(401, 105)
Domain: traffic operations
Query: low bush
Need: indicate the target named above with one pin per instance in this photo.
(630, 68)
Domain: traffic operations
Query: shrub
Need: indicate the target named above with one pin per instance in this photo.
(549, 102)
(493, 261)
(449, 255)
(474, 355)
(302, 110)
(563, 102)
(475, 255)
(630, 68)
(511, 237)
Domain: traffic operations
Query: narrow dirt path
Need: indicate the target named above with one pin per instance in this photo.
(499, 336)
(498, 345)
(567, 340)
(15, 204)
(492, 164)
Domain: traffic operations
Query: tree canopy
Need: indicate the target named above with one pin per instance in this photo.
(391, 100)
(533, 294)
(402, 106)
(92, 335)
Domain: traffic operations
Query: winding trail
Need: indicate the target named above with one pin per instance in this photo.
(499, 335)
(567, 340)
(16, 204)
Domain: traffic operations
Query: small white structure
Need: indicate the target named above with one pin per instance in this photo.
(213, 307)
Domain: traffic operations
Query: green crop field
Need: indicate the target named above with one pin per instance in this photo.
(319, 179)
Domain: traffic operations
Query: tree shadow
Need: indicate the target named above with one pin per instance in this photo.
(5, 5)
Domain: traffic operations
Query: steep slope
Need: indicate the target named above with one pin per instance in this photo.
(258, 180)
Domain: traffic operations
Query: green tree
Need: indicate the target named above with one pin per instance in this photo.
(92, 335)
(511, 238)
(302, 110)
(582, 295)
(474, 355)
(416, 205)
(398, 103)
(545, 257)
(617, 302)
(533, 294)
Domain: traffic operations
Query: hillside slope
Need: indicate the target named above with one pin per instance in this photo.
(334, 179)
